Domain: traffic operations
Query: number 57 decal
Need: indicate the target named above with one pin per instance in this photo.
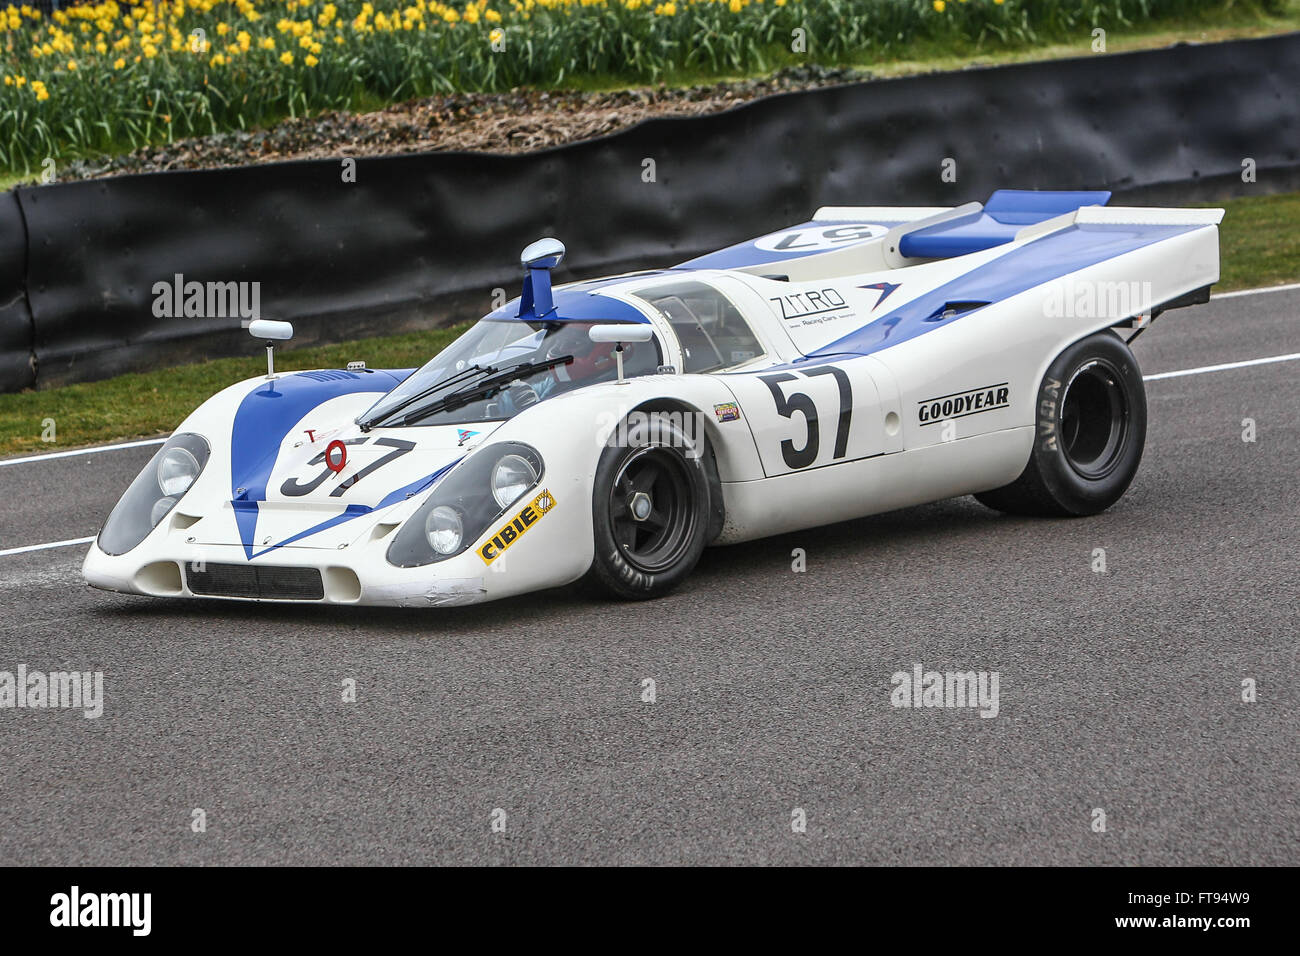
(292, 489)
(801, 402)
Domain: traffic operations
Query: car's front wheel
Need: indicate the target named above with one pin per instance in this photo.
(1091, 423)
(650, 510)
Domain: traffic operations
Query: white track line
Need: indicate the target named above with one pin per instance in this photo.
(1265, 289)
(82, 451)
(46, 547)
(1223, 368)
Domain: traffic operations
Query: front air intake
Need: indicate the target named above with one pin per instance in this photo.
(257, 582)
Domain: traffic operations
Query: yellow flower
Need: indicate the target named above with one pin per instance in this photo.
(20, 80)
(217, 60)
(9, 80)
(492, 16)
(119, 63)
(938, 6)
(72, 65)
(310, 60)
(735, 6)
(223, 29)
(244, 39)
(496, 36)
(286, 58)
(266, 43)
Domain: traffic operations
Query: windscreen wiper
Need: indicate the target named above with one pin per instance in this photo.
(370, 423)
(483, 388)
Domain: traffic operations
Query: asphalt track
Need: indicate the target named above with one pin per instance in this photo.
(1119, 691)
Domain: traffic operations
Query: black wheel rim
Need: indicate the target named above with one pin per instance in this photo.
(1094, 419)
(651, 510)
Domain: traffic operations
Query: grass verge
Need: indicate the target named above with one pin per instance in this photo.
(1259, 239)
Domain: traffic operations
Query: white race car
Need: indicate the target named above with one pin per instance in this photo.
(871, 359)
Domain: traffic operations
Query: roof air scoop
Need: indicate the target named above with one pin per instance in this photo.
(538, 259)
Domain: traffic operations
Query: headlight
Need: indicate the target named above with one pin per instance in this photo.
(444, 529)
(467, 502)
(161, 508)
(177, 469)
(512, 476)
(154, 493)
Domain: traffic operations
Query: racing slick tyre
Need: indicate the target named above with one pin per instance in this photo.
(1091, 424)
(650, 508)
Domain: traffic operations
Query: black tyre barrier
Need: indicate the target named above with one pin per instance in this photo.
(423, 240)
(17, 357)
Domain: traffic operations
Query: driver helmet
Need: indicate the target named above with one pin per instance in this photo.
(590, 359)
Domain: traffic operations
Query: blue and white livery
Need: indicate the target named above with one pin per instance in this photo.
(872, 358)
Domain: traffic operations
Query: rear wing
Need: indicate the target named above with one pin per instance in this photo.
(848, 240)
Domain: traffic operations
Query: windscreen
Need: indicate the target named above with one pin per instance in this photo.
(490, 349)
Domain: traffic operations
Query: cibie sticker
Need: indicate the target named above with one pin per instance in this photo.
(727, 412)
(516, 527)
(819, 238)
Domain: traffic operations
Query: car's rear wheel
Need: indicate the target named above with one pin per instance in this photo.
(1091, 418)
(650, 510)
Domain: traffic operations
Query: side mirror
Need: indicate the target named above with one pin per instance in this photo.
(271, 332)
(542, 254)
(538, 259)
(269, 329)
(623, 332)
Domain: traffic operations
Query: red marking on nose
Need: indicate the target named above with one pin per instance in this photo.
(336, 463)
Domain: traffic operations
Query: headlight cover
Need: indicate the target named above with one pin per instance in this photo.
(512, 476)
(444, 529)
(177, 469)
(155, 491)
(467, 501)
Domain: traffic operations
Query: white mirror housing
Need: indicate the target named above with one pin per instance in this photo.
(270, 330)
(622, 332)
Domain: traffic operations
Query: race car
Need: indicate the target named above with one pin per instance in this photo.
(870, 359)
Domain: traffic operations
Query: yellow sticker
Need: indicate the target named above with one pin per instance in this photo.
(515, 528)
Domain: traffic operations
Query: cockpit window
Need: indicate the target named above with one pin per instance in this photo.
(491, 348)
(712, 332)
